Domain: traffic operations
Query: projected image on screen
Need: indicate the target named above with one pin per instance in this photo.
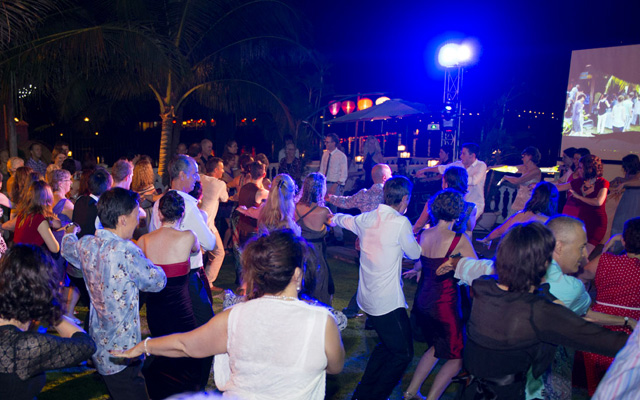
(602, 109)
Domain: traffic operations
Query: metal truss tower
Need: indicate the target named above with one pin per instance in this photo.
(452, 108)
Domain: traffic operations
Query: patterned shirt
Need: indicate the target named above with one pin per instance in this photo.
(365, 200)
(114, 270)
(623, 376)
(37, 165)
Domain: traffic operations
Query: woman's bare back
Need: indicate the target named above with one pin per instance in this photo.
(167, 245)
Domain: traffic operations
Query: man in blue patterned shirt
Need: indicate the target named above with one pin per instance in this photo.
(115, 270)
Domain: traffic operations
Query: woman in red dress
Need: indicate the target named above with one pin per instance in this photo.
(590, 194)
(617, 282)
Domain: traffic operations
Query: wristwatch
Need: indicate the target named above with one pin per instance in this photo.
(626, 322)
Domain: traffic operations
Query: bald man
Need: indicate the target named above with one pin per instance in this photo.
(366, 199)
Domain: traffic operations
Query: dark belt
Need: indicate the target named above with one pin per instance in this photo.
(483, 385)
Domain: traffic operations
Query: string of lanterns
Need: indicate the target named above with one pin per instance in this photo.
(349, 106)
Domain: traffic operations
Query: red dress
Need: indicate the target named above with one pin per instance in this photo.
(617, 284)
(571, 207)
(437, 305)
(26, 231)
(594, 217)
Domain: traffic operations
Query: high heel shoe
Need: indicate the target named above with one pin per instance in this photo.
(412, 396)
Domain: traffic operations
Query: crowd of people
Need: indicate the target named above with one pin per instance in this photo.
(115, 239)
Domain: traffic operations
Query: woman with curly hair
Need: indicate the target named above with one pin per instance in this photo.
(437, 299)
(589, 194)
(299, 342)
(313, 218)
(33, 216)
(29, 292)
(20, 186)
(277, 212)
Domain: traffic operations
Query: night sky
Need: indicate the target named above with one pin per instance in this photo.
(391, 46)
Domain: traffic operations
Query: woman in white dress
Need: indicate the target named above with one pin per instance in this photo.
(277, 347)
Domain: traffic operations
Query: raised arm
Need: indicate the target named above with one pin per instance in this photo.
(423, 219)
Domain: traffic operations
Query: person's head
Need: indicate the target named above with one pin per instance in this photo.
(20, 184)
(579, 153)
(29, 286)
(195, 150)
(69, 165)
(143, 176)
(331, 141)
(581, 98)
(231, 147)
(567, 156)
(58, 157)
(245, 162)
(118, 210)
(456, 178)
(397, 193)
(631, 164)
(469, 153)
(99, 182)
(183, 172)
(380, 173)
(181, 148)
(591, 167)
(631, 236)
(288, 138)
(263, 159)
(61, 181)
(171, 207)
(620, 98)
(257, 170)
(207, 147)
(215, 167)
(446, 205)
(13, 164)
(523, 255)
(278, 211)
(571, 242)
(531, 154)
(37, 200)
(272, 261)
(544, 200)
(445, 154)
(314, 188)
(122, 173)
(290, 150)
(229, 160)
(371, 146)
(35, 150)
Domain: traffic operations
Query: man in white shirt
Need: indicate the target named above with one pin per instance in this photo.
(214, 190)
(335, 168)
(183, 172)
(385, 235)
(476, 169)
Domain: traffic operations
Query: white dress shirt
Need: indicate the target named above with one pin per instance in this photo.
(385, 235)
(193, 221)
(477, 175)
(338, 167)
(213, 192)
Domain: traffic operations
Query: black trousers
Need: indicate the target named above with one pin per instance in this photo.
(128, 383)
(203, 312)
(389, 359)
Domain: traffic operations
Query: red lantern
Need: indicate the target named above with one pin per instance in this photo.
(364, 103)
(334, 107)
(348, 106)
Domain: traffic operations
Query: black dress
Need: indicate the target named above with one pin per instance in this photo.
(508, 332)
(170, 311)
(24, 356)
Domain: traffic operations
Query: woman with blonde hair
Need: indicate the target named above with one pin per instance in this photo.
(278, 210)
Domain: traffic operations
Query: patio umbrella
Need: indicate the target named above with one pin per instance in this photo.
(389, 109)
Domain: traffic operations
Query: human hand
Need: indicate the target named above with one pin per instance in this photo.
(486, 241)
(71, 228)
(445, 267)
(412, 273)
(135, 352)
(613, 240)
(420, 173)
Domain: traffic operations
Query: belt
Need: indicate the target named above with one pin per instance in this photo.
(617, 306)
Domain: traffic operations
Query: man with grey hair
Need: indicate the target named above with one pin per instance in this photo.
(183, 172)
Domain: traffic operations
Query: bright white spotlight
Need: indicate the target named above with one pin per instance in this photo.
(448, 55)
(464, 53)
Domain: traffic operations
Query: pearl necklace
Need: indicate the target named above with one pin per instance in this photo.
(288, 298)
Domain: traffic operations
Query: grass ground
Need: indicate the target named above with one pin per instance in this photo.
(82, 383)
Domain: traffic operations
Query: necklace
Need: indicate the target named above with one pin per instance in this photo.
(288, 298)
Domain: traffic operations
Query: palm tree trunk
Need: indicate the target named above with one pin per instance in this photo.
(165, 142)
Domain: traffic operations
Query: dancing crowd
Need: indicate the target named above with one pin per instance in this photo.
(550, 311)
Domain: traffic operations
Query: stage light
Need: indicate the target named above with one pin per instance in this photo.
(452, 54)
(464, 53)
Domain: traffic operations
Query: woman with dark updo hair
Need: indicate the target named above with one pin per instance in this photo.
(279, 347)
(29, 292)
(170, 310)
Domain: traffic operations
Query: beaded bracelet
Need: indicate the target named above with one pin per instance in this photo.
(145, 346)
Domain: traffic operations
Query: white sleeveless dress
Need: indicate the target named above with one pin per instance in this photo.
(275, 350)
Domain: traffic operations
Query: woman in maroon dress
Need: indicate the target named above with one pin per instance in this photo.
(437, 301)
(590, 194)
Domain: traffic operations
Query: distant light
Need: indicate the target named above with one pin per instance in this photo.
(322, 116)
(334, 108)
(70, 153)
(405, 154)
(402, 147)
(364, 103)
(348, 106)
(16, 119)
(448, 108)
(452, 54)
(359, 159)
(381, 100)
(86, 119)
(61, 134)
(96, 133)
